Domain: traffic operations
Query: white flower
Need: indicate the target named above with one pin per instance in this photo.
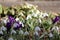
(26, 33)
(11, 38)
(35, 14)
(15, 25)
(3, 28)
(21, 32)
(55, 28)
(17, 19)
(40, 21)
(37, 28)
(13, 32)
(1, 32)
(42, 15)
(21, 23)
(29, 17)
(50, 35)
(45, 14)
(36, 33)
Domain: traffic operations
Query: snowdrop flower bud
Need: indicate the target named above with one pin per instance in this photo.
(26, 33)
(37, 28)
(3, 28)
(11, 38)
(13, 32)
(50, 35)
(21, 32)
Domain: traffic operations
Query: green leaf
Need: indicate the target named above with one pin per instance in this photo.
(0, 9)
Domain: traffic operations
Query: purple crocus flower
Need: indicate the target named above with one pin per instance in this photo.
(9, 24)
(57, 18)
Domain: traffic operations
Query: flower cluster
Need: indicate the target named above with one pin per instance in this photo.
(26, 22)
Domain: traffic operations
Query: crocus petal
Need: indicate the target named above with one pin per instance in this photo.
(11, 19)
(56, 19)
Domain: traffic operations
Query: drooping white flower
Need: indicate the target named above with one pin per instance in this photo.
(3, 28)
(42, 15)
(35, 14)
(37, 28)
(13, 32)
(55, 28)
(50, 35)
(4, 21)
(10, 38)
(1, 32)
(26, 33)
(45, 14)
(29, 17)
(21, 23)
(40, 21)
(36, 33)
(17, 19)
(15, 25)
(21, 32)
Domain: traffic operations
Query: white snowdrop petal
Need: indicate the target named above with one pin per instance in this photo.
(29, 17)
(3, 28)
(36, 33)
(21, 32)
(50, 35)
(37, 28)
(15, 25)
(17, 19)
(1, 32)
(10, 39)
(26, 33)
(13, 31)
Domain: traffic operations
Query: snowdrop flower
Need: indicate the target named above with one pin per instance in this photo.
(29, 17)
(45, 14)
(17, 19)
(10, 38)
(35, 14)
(50, 35)
(4, 20)
(40, 20)
(37, 28)
(13, 32)
(21, 32)
(42, 15)
(55, 28)
(36, 33)
(17, 25)
(21, 23)
(1, 32)
(26, 33)
(3, 28)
